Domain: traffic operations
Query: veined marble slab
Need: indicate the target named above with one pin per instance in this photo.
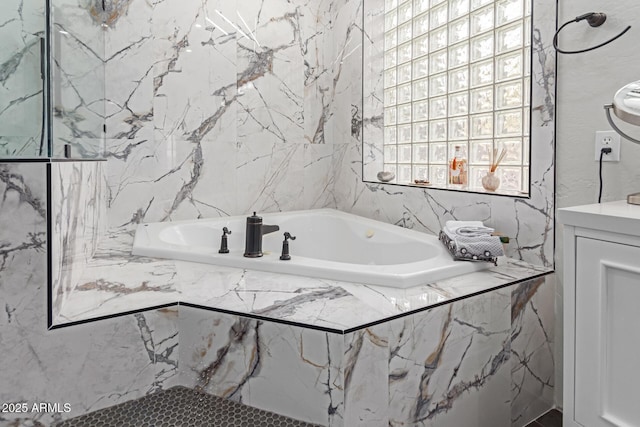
(114, 281)
(482, 361)
(89, 366)
(473, 362)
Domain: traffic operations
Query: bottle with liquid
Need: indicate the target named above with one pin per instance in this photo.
(458, 167)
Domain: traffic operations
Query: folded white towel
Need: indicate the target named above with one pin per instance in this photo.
(481, 247)
(467, 228)
(471, 240)
(457, 224)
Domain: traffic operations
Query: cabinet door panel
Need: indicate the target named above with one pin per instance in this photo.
(607, 366)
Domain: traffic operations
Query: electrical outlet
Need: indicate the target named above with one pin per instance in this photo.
(609, 139)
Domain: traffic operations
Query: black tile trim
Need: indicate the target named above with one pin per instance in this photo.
(456, 190)
(48, 122)
(25, 160)
(113, 316)
(289, 322)
(450, 301)
(264, 318)
(49, 249)
(48, 160)
(201, 307)
(555, 145)
(79, 160)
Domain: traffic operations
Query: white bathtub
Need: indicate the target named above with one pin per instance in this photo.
(330, 244)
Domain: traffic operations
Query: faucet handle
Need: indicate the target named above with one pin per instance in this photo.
(285, 246)
(224, 248)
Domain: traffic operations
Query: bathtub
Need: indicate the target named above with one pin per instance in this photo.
(329, 244)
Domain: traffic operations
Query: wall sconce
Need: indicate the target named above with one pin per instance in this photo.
(595, 20)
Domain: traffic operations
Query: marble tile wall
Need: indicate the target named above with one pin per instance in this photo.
(22, 25)
(482, 361)
(219, 109)
(190, 135)
(78, 203)
(533, 344)
(444, 365)
(229, 107)
(89, 366)
(463, 374)
(529, 222)
(367, 379)
(286, 369)
(212, 147)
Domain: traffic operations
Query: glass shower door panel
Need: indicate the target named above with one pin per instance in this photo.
(22, 31)
(78, 79)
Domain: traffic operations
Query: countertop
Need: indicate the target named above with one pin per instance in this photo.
(116, 282)
(615, 217)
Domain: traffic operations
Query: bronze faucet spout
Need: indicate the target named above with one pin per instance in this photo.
(253, 240)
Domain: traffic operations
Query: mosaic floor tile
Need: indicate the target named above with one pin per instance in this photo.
(181, 407)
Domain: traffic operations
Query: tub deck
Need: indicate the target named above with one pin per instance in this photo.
(330, 245)
(116, 282)
(339, 354)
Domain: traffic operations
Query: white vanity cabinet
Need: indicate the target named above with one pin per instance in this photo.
(601, 315)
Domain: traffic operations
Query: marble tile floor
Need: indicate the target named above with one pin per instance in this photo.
(181, 407)
(553, 418)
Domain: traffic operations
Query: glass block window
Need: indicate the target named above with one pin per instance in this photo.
(457, 74)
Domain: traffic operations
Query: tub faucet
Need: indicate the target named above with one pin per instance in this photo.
(255, 231)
